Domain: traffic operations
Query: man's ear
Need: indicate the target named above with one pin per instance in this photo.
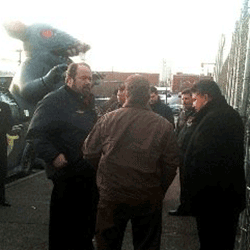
(208, 98)
(126, 93)
(69, 80)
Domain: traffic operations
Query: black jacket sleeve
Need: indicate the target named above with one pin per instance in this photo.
(43, 127)
(5, 118)
(169, 114)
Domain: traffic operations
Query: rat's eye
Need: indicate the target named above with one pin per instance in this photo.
(46, 34)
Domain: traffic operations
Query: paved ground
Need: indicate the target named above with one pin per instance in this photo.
(24, 226)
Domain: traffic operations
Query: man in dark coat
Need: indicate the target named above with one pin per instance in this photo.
(214, 173)
(181, 130)
(58, 129)
(5, 127)
(187, 111)
(160, 108)
(116, 101)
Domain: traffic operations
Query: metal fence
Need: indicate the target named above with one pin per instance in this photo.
(233, 77)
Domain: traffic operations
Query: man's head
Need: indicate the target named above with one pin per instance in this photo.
(154, 97)
(186, 98)
(121, 94)
(79, 78)
(137, 89)
(203, 92)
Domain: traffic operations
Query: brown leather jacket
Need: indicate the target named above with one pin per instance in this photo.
(137, 153)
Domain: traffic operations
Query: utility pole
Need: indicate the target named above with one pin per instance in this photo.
(20, 56)
(164, 71)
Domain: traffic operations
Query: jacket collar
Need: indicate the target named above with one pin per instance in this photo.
(215, 104)
(73, 93)
(136, 105)
(157, 104)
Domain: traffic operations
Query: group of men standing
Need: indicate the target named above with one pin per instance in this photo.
(117, 167)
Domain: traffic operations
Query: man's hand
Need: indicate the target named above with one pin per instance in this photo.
(60, 161)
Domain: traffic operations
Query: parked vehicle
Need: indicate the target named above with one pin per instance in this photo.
(176, 108)
(99, 101)
(163, 94)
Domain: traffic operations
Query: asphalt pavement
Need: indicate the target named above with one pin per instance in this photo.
(24, 226)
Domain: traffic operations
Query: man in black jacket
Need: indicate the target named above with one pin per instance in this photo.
(181, 130)
(214, 167)
(115, 102)
(6, 127)
(187, 111)
(58, 129)
(158, 107)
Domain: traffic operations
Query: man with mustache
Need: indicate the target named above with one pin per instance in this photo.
(58, 128)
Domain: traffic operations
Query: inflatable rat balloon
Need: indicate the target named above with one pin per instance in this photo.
(48, 51)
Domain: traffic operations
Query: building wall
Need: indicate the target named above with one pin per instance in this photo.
(113, 79)
(182, 81)
(122, 76)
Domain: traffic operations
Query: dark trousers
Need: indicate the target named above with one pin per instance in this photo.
(2, 192)
(3, 171)
(217, 230)
(184, 196)
(73, 213)
(112, 219)
(183, 192)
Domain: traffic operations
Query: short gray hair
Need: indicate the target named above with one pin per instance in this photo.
(138, 89)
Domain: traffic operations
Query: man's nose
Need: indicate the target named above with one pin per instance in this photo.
(87, 82)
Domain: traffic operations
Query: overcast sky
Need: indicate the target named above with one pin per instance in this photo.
(133, 35)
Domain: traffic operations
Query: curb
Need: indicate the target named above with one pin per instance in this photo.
(14, 183)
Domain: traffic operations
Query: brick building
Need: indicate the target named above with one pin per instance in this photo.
(182, 81)
(113, 79)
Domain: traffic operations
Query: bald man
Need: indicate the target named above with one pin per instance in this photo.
(58, 128)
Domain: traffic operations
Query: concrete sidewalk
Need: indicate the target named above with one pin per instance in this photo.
(24, 226)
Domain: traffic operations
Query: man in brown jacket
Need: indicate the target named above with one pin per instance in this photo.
(136, 155)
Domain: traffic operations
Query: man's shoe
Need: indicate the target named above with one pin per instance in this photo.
(5, 204)
(179, 212)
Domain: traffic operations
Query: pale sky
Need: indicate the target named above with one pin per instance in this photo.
(133, 35)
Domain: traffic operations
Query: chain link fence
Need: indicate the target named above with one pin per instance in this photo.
(233, 77)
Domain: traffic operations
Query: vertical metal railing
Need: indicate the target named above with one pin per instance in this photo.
(234, 81)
